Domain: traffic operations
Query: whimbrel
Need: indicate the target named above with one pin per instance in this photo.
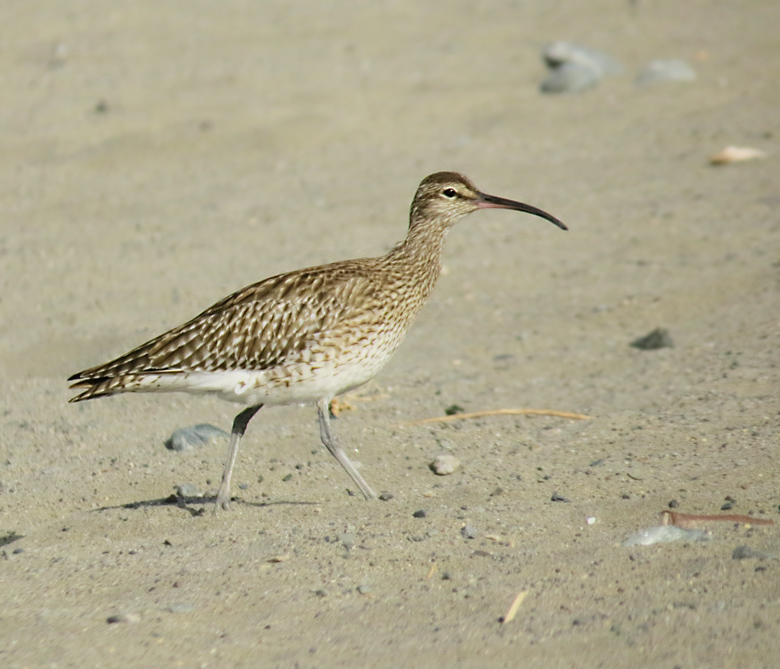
(305, 336)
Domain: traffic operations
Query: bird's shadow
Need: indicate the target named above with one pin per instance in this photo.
(10, 538)
(195, 506)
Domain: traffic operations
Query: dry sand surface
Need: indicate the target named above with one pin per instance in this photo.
(157, 156)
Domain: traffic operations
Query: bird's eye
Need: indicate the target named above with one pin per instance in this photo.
(450, 192)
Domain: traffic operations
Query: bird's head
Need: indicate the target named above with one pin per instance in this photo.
(446, 197)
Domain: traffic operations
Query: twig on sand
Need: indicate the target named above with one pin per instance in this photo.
(499, 412)
(515, 605)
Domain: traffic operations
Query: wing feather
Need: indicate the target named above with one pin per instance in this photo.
(255, 328)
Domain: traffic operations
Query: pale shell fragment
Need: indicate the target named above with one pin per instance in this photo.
(736, 154)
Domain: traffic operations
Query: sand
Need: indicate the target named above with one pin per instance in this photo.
(157, 156)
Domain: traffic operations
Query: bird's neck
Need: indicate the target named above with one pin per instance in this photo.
(418, 257)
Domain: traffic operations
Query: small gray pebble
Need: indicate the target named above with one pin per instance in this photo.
(421, 513)
(363, 589)
(385, 496)
(469, 531)
(188, 490)
(658, 338)
(347, 539)
(570, 78)
(123, 618)
(745, 553)
(560, 52)
(574, 68)
(665, 70)
(194, 436)
(445, 464)
(180, 608)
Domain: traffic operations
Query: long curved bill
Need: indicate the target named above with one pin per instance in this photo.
(493, 202)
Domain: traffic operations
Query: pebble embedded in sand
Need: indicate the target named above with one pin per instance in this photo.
(469, 531)
(574, 68)
(445, 464)
(658, 71)
(194, 436)
(663, 534)
(346, 539)
(743, 552)
(123, 618)
(658, 338)
(188, 490)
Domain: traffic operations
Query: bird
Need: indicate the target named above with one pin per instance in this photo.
(304, 336)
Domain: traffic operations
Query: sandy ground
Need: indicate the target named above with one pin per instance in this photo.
(157, 156)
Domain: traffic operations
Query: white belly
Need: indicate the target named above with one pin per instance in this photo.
(288, 384)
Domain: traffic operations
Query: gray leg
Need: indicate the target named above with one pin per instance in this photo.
(332, 445)
(239, 427)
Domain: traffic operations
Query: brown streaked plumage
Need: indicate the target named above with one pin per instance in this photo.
(307, 335)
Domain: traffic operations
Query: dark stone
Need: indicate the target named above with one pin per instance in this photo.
(658, 338)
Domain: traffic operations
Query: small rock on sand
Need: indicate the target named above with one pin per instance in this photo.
(574, 68)
(658, 338)
(194, 436)
(665, 70)
(445, 464)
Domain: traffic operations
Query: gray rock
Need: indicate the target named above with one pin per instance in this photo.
(469, 531)
(194, 436)
(570, 78)
(123, 618)
(665, 70)
(445, 464)
(746, 553)
(658, 338)
(574, 68)
(188, 490)
(556, 54)
(347, 539)
(663, 534)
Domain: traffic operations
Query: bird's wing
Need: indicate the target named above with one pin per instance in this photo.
(255, 328)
